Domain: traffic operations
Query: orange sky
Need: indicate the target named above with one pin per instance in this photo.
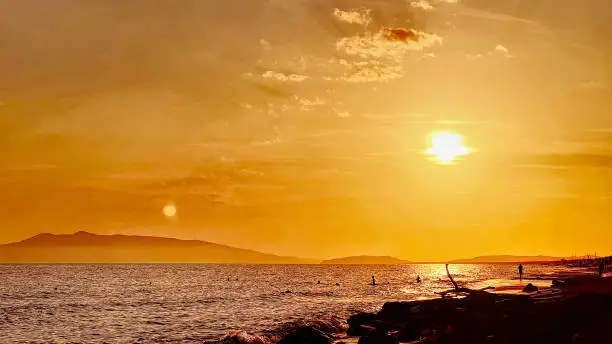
(298, 128)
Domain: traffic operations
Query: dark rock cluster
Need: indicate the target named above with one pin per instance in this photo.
(579, 311)
(480, 317)
(488, 318)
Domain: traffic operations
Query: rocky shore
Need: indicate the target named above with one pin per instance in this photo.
(580, 312)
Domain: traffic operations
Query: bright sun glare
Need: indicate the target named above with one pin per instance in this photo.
(446, 147)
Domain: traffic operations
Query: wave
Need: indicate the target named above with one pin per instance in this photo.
(331, 326)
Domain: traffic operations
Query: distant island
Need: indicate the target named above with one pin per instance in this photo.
(84, 247)
(506, 259)
(366, 260)
(499, 259)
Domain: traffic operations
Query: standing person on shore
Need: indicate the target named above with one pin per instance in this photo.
(601, 268)
(520, 269)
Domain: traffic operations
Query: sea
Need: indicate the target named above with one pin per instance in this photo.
(200, 303)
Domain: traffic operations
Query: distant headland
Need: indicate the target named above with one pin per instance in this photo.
(366, 260)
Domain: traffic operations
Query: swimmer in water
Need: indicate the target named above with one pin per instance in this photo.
(318, 282)
(373, 281)
(418, 280)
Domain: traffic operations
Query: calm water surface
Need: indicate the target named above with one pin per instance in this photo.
(191, 303)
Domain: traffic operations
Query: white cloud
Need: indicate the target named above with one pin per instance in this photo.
(309, 102)
(378, 56)
(267, 142)
(387, 43)
(422, 4)
(501, 49)
(284, 77)
(361, 16)
(342, 114)
(373, 73)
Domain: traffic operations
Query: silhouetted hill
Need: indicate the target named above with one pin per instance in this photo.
(506, 259)
(366, 260)
(84, 247)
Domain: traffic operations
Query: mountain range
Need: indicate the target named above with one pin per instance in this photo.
(85, 247)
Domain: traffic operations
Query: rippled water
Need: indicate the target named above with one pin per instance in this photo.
(191, 303)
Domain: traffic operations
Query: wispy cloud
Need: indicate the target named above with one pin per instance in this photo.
(587, 85)
(284, 77)
(342, 114)
(570, 160)
(422, 4)
(503, 50)
(499, 50)
(372, 72)
(361, 16)
(377, 56)
(387, 43)
(471, 12)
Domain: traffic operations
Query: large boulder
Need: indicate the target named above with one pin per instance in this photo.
(361, 324)
(557, 283)
(399, 311)
(306, 335)
(530, 288)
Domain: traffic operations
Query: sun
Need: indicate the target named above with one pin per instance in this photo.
(446, 147)
(169, 210)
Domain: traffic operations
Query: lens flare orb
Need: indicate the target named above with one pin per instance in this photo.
(169, 210)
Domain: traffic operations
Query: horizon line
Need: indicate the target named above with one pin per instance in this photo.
(316, 261)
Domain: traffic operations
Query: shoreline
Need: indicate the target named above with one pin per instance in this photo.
(576, 309)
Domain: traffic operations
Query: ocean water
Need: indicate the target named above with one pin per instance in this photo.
(174, 303)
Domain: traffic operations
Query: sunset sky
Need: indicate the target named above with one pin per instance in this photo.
(299, 127)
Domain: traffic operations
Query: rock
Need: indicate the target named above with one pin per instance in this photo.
(530, 288)
(557, 282)
(361, 324)
(379, 338)
(306, 335)
(480, 300)
(398, 310)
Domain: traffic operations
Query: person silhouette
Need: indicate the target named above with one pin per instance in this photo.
(601, 268)
(418, 280)
(520, 269)
(373, 281)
